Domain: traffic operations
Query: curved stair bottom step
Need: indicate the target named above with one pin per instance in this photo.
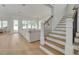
(56, 46)
(50, 51)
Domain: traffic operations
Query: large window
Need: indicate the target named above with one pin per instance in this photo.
(24, 23)
(4, 24)
(34, 24)
(39, 24)
(31, 24)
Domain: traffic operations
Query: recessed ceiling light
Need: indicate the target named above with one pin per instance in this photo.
(3, 5)
(24, 5)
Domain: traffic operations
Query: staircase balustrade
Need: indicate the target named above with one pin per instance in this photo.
(75, 26)
(43, 30)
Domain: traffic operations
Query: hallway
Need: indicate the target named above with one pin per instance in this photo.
(15, 44)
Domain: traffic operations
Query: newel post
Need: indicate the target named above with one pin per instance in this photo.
(78, 20)
(69, 36)
(42, 36)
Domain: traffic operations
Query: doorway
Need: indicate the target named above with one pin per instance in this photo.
(15, 25)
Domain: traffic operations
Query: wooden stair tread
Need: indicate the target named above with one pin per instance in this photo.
(60, 30)
(56, 41)
(60, 27)
(75, 52)
(77, 37)
(76, 46)
(57, 33)
(56, 44)
(77, 32)
(76, 43)
(56, 38)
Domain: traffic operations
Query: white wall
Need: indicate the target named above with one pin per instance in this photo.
(69, 10)
(58, 13)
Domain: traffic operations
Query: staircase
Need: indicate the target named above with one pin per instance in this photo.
(55, 40)
(76, 44)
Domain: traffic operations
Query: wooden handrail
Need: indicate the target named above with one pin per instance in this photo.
(48, 20)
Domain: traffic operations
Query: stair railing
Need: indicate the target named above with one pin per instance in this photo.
(44, 29)
(75, 25)
(48, 26)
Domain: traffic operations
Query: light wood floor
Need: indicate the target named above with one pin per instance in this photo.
(14, 44)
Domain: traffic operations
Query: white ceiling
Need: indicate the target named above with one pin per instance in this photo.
(30, 11)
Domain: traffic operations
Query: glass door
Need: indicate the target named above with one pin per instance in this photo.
(15, 25)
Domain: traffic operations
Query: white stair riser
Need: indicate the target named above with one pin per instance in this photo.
(55, 40)
(59, 32)
(58, 36)
(62, 24)
(46, 50)
(76, 40)
(55, 47)
(60, 28)
(63, 21)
